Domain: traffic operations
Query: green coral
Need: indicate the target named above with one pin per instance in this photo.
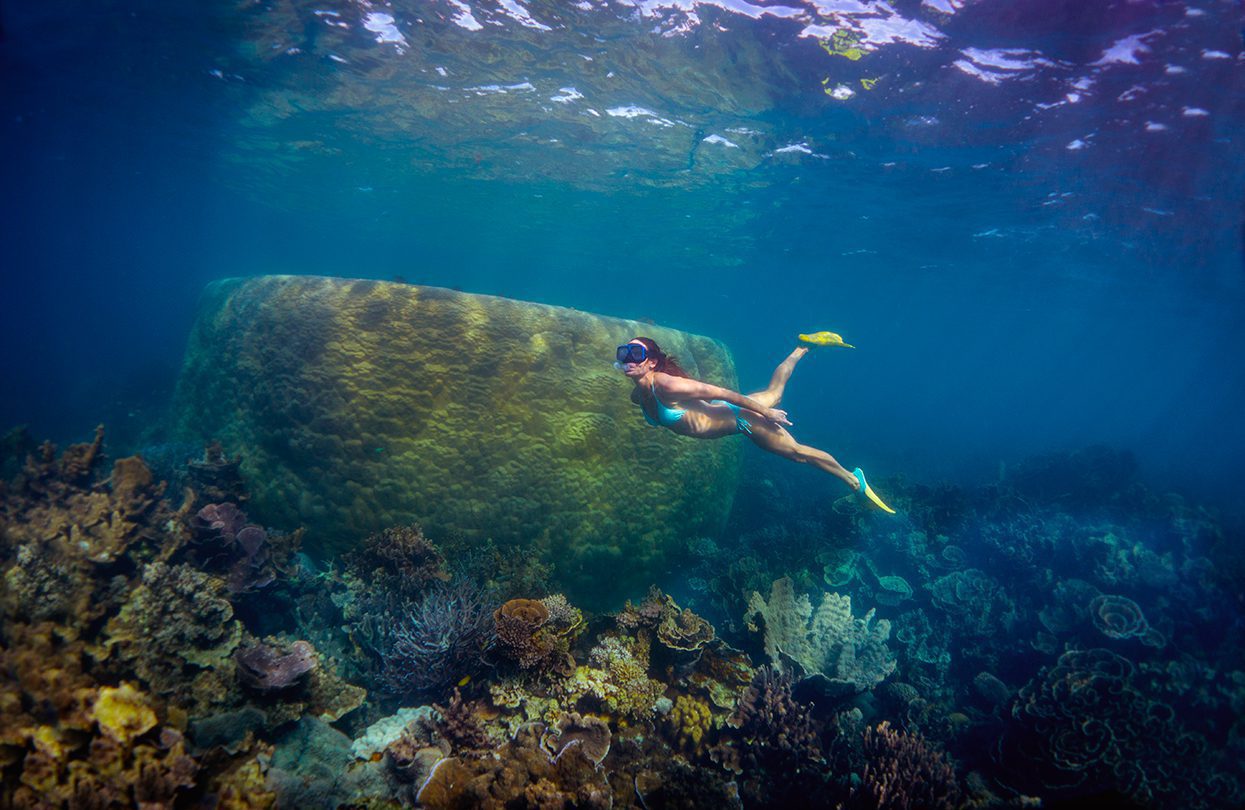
(368, 404)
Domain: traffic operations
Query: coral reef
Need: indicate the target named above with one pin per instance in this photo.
(139, 668)
(779, 752)
(399, 561)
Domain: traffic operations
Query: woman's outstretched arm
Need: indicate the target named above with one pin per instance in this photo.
(687, 388)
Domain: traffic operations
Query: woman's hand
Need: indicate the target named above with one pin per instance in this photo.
(778, 417)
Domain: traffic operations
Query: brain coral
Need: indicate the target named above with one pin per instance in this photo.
(367, 404)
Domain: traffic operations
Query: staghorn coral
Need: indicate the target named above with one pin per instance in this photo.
(904, 772)
(840, 653)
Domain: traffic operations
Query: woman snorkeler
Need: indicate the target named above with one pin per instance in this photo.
(670, 398)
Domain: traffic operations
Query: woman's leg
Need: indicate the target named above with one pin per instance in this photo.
(771, 396)
(778, 441)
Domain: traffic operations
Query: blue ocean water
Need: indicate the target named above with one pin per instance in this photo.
(1026, 215)
(1031, 223)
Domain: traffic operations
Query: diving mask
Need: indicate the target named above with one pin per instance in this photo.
(632, 353)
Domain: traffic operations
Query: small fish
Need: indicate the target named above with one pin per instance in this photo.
(464, 680)
(826, 339)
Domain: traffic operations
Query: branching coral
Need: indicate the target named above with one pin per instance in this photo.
(904, 772)
(458, 725)
(843, 653)
(619, 677)
(176, 622)
(781, 755)
(99, 747)
(437, 643)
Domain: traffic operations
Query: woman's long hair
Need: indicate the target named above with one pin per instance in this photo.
(666, 363)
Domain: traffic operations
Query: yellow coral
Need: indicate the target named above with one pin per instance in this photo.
(123, 712)
(691, 718)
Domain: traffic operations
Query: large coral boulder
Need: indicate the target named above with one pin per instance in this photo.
(359, 405)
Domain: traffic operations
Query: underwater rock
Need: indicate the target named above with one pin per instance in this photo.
(386, 730)
(361, 404)
(265, 667)
(313, 765)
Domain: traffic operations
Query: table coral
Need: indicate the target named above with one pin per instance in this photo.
(1119, 617)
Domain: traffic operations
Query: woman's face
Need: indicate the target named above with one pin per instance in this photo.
(636, 370)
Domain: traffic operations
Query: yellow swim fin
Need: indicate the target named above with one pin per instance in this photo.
(825, 339)
(869, 493)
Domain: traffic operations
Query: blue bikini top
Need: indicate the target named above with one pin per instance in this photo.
(665, 416)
